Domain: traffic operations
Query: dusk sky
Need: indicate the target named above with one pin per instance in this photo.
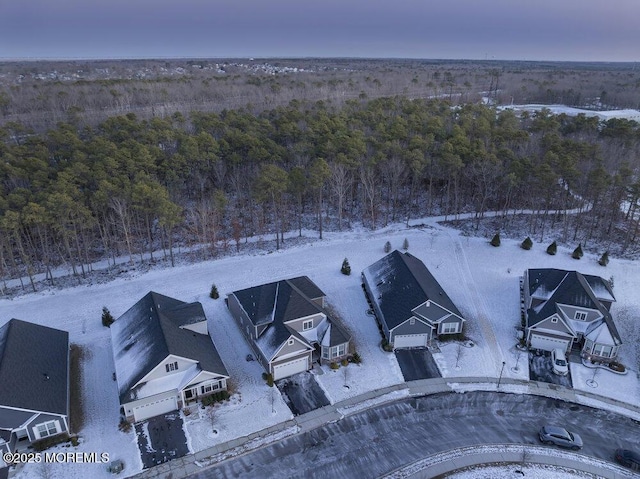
(595, 30)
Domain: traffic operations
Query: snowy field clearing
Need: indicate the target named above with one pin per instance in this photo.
(480, 279)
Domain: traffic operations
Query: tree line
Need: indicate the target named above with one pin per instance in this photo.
(132, 187)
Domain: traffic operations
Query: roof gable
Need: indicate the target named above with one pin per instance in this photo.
(34, 360)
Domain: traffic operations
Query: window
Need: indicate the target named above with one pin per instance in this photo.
(602, 350)
(448, 328)
(47, 429)
(412, 321)
(207, 388)
(171, 366)
(554, 320)
(290, 341)
(580, 316)
(307, 325)
(325, 353)
(337, 351)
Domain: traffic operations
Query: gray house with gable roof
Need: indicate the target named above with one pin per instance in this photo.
(164, 357)
(567, 309)
(34, 383)
(287, 327)
(410, 305)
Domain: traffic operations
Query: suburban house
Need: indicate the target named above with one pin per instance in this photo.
(34, 379)
(287, 327)
(164, 357)
(567, 309)
(409, 304)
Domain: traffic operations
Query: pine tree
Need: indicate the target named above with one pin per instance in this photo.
(526, 244)
(346, 267)
(604, 259)
(496, 240)
(577, 253)
(107, 319)
(552, 248)
(214, 292)
(387, 247)
(405, 245)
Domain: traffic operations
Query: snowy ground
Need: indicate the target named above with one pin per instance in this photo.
(480, 279)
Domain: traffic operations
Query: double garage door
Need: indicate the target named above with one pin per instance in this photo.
(548, 344)
(410, 340)
(155, 408)
(289, 368)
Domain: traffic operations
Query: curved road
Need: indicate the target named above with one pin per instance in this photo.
(379, 440)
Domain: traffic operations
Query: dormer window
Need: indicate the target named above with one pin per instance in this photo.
(307, 325)
(171, 366)
(580, 316)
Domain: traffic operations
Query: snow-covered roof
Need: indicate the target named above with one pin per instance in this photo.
(34, 367)
(150, 331)
(399, 283)
(560, 287)
(274, 304)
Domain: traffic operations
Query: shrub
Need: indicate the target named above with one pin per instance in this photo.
(527, 244)
(346, 267)
(42, 444)
(496, 240)
(334, 365)
(345, 362)
(270, 380)
(264, 376)
(604, 259)
(577, 253)
(552, 248)
(213, 294)
(356, 358)
(386, 346)
(107, 318)
(215, 397)
(405, 244)
(124, 425)
(387, 247)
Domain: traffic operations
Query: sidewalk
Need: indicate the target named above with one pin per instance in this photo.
(187, 465)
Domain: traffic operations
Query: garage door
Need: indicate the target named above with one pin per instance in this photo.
(548, 344)
(292, 367)
(156, 408)
(410, 340)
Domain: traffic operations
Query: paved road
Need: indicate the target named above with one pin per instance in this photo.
(379, 440)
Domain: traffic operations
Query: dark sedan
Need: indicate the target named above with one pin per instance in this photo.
(630, 459)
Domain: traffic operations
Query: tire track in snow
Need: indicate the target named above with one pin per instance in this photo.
(477, 300)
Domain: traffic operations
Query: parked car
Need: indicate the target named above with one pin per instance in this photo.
(630, 459)
(560, 437)
(559, 362)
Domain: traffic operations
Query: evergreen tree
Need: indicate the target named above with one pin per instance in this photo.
(387, 247)
(346, 267)
(604, 259)
(577, 253)
(107, 318)
(552, 248)
(405, 245)
(214, 292)
(527, 243)
(496, 240)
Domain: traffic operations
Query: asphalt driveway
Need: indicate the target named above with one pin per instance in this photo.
(541, 369)
(417, 364)
(302, 393)
(161, 439)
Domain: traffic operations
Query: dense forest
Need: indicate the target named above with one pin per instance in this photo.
(206, 181)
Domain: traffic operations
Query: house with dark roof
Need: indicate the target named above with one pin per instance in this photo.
(164, 357)
(34, 379)
(287, 326)
(408, 302)
(567, 309)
